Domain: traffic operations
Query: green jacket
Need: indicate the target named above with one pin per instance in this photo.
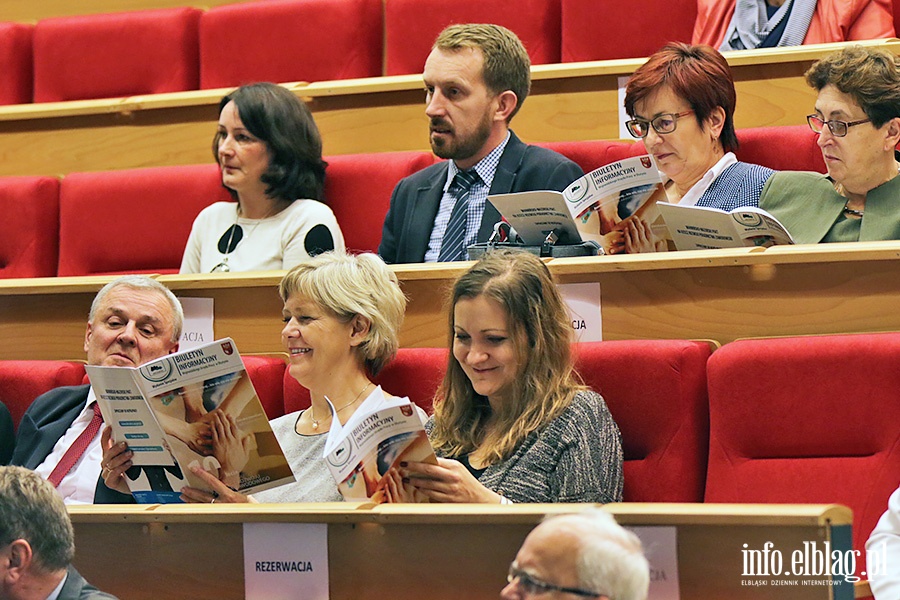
(808, 206)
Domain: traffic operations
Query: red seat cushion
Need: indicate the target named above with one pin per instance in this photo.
(807, 420)
(132, 221)
(783, 148)
(358, 189)
(267, 375)
(411, 27)
(592, 154)
(21, 381)
(656, 392)
(623, 29)
(16, 63)
(290, 40)
(29, 242)
(120, 54)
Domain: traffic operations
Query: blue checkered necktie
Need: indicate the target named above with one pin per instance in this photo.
(453, 246)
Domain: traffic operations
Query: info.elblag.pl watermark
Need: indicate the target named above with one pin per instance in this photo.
(813, 564)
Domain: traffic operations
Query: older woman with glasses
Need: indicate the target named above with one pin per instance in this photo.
(681, 103)
(269, 154)
(858, 121)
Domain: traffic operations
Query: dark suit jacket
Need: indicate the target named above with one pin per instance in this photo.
(415, 201)
(76, 588)
(45, 422)
(7, 435)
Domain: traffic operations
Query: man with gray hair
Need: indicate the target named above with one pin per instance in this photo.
(37, 542)
(133, 319)
(579, 555)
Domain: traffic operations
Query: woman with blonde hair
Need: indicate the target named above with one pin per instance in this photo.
(512, 420)
(342, 315)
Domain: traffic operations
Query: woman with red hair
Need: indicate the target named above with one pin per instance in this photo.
(681, 103)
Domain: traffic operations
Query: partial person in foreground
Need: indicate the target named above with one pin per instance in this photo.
(585, 554)
(748, 24)
(476, 79)
(37, 543)
(512, 420)
(7, 435)
(269, 152)
(133, 319)
(883, 549)
(342, 315)
(681, 103)
(857, 118)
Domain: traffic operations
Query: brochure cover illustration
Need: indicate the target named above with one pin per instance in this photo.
(381, 434)
(594, 207)
(195, 407)
(700, 227)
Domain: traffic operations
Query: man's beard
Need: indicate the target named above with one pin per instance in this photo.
(457, 148)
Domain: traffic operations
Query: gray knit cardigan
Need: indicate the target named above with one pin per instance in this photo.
(577, 457)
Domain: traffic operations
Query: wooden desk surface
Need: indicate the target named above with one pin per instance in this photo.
(719, 295)
(568, 102)
(391, 552)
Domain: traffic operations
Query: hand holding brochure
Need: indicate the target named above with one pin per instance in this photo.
(700, 227)
(195, 407)
(596, 207)
(379, 435)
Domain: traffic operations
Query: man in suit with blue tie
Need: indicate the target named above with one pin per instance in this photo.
(133, 320)
(476, 78)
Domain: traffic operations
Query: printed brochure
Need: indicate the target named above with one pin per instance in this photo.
(382, 433)
(195, 407)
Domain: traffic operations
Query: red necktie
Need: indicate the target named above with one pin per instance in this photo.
(76, 450)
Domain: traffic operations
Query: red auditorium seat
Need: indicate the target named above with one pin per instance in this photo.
(414, 372)
(590, 155)
(21, 381)
(807, 420)
(411, 27)
(16, 63)
(783, 148)
(290, 40)
(29, 242)
(267, 375)
(656, 392)
(132, 221)
(358, 189)
(120, 54)
(611, 29)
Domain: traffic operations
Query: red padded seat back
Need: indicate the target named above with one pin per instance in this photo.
(411, 27)
(358, 189)
(290, 40)
(611, 29)
(656, 392)
(29, 244)
(21, 381)
(16, 68)
(807, 420)
(132, 221)
(414, 372)
(119, 54)
(592, 154)
(783, 148)
(267, 375)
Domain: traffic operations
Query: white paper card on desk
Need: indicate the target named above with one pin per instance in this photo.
(198, 322)
(286, 561)
(704, 228)
(583, 302)
(661, 549)
(622, 83)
